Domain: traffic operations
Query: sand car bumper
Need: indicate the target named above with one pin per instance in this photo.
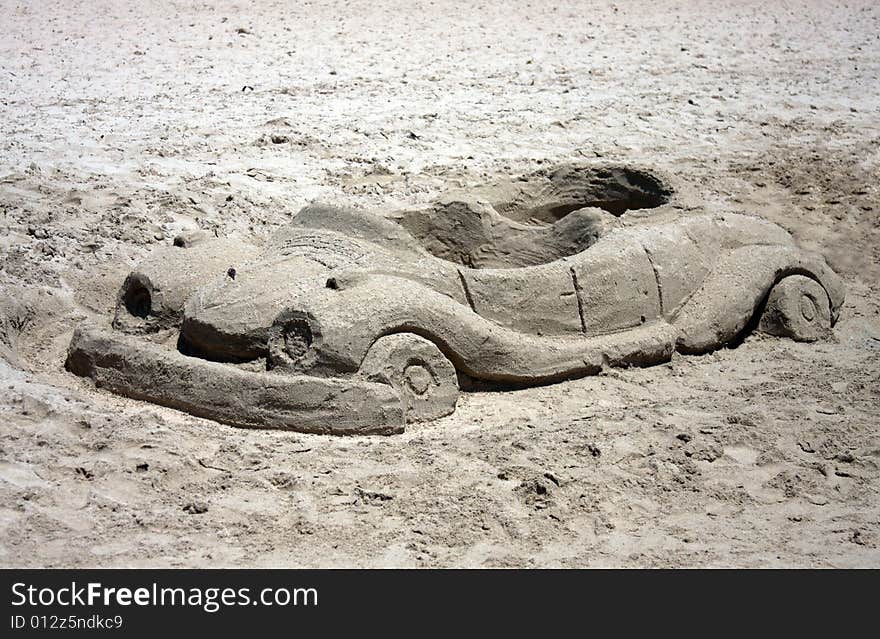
(128, 366)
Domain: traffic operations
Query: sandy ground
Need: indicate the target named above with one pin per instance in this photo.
(124, 123)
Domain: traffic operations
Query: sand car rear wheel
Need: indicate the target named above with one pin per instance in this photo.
(418, 371)
(798, 308)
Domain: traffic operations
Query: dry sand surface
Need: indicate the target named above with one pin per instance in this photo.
(125, 123)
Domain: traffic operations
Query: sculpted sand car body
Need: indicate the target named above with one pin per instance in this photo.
(348, 322)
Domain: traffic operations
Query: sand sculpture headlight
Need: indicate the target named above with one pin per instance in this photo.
(291, 340)
(351, 322)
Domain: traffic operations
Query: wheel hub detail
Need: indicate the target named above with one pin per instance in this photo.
(418, 378)
(808, 308)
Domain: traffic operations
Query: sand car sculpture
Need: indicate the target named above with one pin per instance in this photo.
(351, 322)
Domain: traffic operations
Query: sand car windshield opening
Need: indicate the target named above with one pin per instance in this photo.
(536, 219)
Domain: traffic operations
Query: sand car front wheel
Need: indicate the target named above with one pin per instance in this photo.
(424, 378)
(798, 308)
